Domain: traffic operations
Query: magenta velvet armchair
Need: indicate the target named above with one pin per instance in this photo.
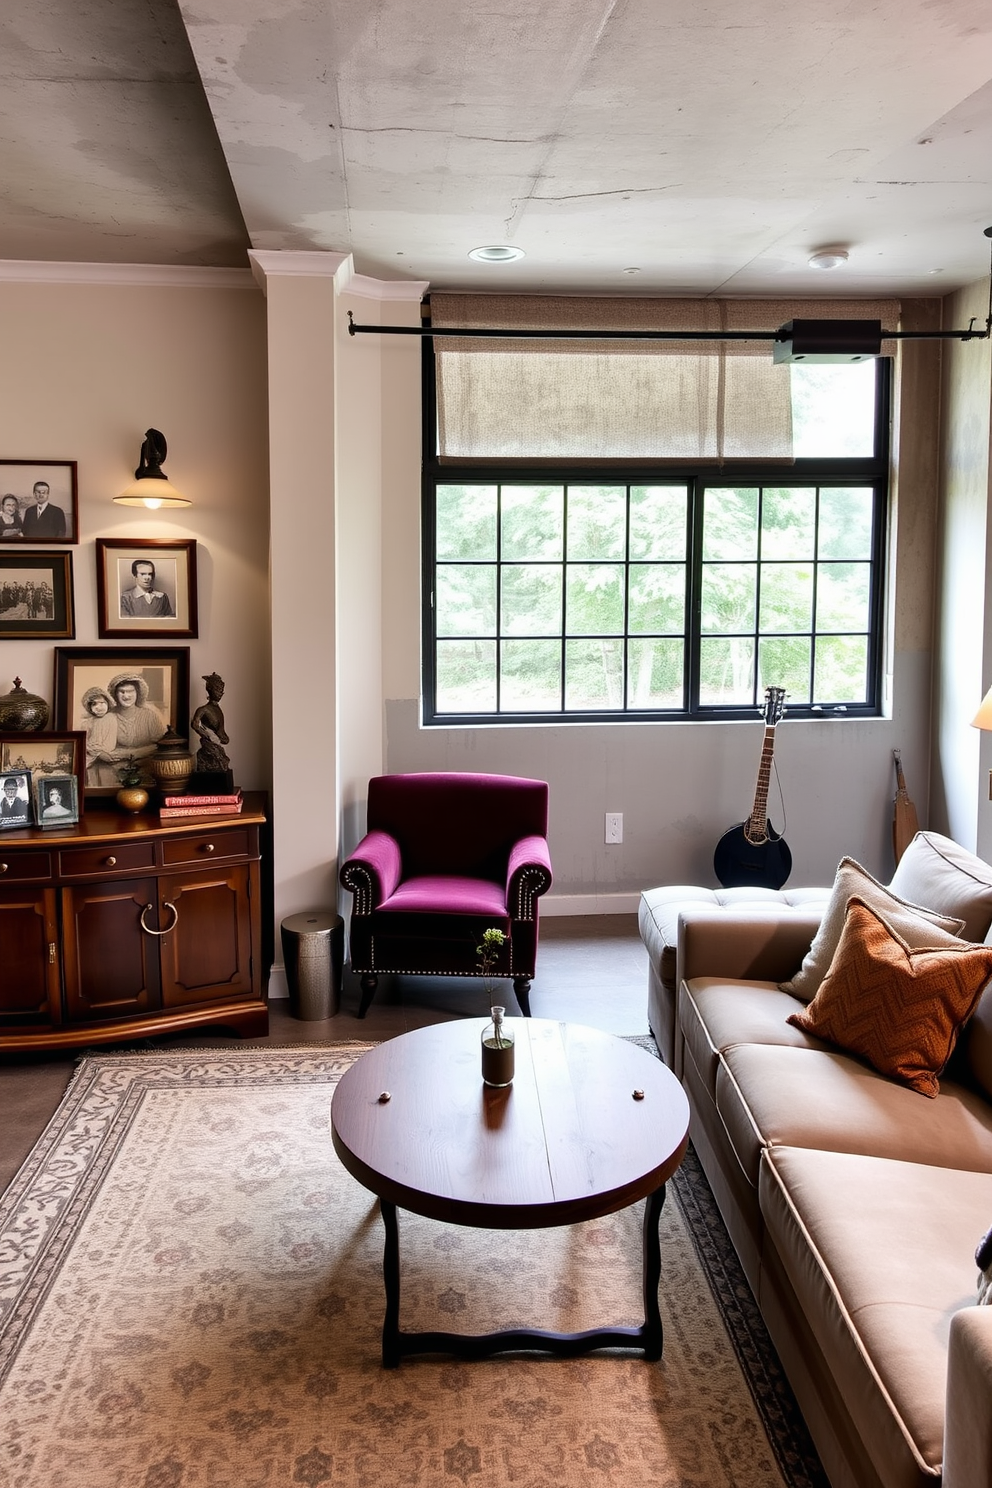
(447, 856)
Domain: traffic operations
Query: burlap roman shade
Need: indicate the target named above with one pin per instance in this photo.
(601, 402)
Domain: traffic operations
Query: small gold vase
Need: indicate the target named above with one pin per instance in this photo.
(132, 798)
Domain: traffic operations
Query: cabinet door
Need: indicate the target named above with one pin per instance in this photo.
(109, 949)
(29, 963)
(207, 952)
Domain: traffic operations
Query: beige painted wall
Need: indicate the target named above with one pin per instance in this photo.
(87, 367)
(963, 756)
(679, 786)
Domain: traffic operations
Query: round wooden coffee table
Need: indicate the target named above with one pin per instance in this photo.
(591, 1124)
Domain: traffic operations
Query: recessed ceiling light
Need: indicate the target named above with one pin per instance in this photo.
(828, 258)
(497, 253)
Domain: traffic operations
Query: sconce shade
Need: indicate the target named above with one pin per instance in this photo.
(983, 718)
(151, 486)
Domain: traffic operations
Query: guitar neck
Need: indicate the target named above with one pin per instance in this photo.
(758, 820)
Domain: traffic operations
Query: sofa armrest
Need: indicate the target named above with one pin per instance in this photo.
(760, 946)
(967, 1419)
(373, 871)
(528, 875)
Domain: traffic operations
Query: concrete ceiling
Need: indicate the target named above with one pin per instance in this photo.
(627, 146)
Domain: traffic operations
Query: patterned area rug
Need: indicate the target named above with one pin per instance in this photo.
(191, 1295)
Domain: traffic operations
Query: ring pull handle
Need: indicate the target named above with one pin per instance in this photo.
(111, 862)
(166, 904)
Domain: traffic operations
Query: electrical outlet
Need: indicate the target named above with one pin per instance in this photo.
(614, 826)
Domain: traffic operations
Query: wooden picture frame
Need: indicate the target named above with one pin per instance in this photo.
(56, 800)
(160, 680)
(39, 755)
(27, 480)
(126, 569)
(36, 600)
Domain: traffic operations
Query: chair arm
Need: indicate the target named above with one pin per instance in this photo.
(967, 1419)
(760, 946)
(373, 871)
(528, 874)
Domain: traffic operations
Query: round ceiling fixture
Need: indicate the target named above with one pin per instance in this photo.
(497, 253)
(828, 258)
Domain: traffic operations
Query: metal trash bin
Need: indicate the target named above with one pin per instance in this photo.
(313, 950)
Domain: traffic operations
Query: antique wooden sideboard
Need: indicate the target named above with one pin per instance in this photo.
(122, 927)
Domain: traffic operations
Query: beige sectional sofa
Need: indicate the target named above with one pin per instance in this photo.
(854, 1202)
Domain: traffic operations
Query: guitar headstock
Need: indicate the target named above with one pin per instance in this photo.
(774, 705)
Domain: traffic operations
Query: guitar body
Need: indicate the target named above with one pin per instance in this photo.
(739, 863)
(751, 855)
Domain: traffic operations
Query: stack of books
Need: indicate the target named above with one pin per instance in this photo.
(228, 805)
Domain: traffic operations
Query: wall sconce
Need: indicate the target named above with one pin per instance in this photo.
(983, 720)
(162, 492)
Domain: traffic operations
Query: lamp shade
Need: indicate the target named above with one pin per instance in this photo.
(151, 486)
(983, 718)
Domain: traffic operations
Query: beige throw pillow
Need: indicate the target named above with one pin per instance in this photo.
(947, 878)
(910, 921)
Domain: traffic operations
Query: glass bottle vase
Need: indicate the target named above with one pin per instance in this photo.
(497, 1051)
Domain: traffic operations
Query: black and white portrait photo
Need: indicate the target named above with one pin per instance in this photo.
(15, 801)
(146, 586)
(37, 502)
(56, 802)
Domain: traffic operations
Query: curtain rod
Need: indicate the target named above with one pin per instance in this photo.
(782, 334)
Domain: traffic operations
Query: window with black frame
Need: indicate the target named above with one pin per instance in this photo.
(663, 589)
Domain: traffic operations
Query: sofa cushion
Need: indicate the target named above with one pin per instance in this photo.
(879, 1255)
(910, 920)
(937, 872)
(897, 1007)
(659, 910)
(716, 1015)
(773, 1094)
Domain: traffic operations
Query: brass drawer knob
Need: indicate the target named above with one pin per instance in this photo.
(4, 867)
(111, 862)
(208, 847)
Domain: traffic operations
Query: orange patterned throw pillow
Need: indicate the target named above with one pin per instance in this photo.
(899, 1008)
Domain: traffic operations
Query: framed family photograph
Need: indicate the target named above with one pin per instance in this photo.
(56, 800)
(146, 587)
(38, 502)
(123, 698)
(36, 596)
(15, 801)
(43, 757)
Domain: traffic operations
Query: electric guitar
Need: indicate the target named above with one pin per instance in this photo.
(752, 854)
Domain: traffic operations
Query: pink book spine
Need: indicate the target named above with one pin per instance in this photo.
(202, 800)
(170, 811)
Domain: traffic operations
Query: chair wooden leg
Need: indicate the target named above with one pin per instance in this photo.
(368, 984)
(521, 986)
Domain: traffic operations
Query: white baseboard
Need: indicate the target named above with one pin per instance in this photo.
(278, 985)
(591, 904)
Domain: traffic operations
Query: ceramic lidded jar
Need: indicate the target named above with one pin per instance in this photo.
(22, 712)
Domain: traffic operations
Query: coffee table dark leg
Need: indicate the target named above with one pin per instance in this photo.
(653, 1331)
(396, 1345)
(391, 1352)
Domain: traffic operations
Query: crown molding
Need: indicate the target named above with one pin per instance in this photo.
(406, 290)
(176, 276)
(268, 263)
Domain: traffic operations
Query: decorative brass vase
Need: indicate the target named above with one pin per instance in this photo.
(132, 798)
(22, 712)
(171, 764)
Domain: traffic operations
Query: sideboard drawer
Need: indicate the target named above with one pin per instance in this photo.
(21, 867)
(206, 847)
(78, 862)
